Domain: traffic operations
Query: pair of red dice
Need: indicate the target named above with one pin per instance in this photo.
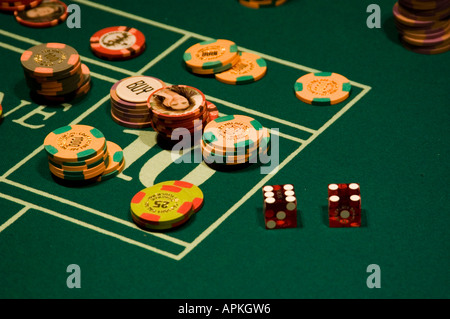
(280, 206)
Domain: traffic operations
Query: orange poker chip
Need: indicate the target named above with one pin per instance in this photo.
(324, 88)
(250, 68)
(74, 143)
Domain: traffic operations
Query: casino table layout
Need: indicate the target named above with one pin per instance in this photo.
(391, 136)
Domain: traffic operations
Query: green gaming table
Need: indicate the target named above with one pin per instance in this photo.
(391, 136)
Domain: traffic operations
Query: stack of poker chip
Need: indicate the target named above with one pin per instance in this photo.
(18, 5)
(322, 88)
(129, 100)
(257, 4)
(180, 107)
(81, 153)
(222, 59)
(234, 139)
(47, 14)
(181, 200)
(423, 26)
(118, 43)
(54, 73)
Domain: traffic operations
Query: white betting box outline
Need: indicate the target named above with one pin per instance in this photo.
(186, 35)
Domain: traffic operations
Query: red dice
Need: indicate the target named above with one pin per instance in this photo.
(280, 206)
(344, 205)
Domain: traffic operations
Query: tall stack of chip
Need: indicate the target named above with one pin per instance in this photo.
(47, 14)
(54, 73)
(118, 43)
(180, 106)
(181, 200)
(81, 152)
(257, 4)
(234, 139)
(18, 5)
(129, 100)
(423, 25)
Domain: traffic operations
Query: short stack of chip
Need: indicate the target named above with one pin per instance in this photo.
(129, 100)
(18, 5)
(54, 73)
(234, 139)
(118, 43)
(423, 25)
(257, 4)
(166, 205)
(180, 107)
(222, 59)
(81, 153)
(47, 14)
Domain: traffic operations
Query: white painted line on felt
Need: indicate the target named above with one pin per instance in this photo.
(239, 203)
(263, 115)
(164, 54)
(15, 217)
(103, 77)
(11, 48)
(90, 110)
(19, 37)
(266, 179)
(92, 211)
(83, 224)
(107, 66)
(142, 19)
(340, 113)
(23, 161)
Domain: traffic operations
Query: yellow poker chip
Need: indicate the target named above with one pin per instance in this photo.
(210, 54)
(74, 143)
(250, 68)
(161, 206)
(196, 193)
(324, 88)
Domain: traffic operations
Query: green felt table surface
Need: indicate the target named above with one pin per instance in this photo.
(391, 136)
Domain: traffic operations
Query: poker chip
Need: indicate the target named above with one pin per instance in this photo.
(423, 26)
(197, 197)
(208, 57)
(324, 88)
(257, 4)
(116, 159)
(49, 60)
(74, 143)
(18, 5)
(54, 73)
(118, 43)
(129, 100)
(47, 14)
(234, 139)
(180, 107)
(213, 112)
(79, 153)
(1, 110)
(250, 68)
(162, 207)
